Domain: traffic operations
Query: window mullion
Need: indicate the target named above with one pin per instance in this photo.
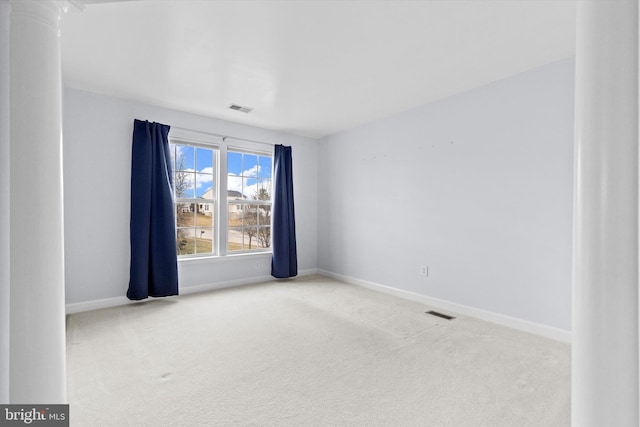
(223, 210)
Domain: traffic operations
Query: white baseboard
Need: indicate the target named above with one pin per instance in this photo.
(500, 319)
(511, 322)
(79, 307)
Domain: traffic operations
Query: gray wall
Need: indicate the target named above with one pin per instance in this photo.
(97, 171)
(477, 186)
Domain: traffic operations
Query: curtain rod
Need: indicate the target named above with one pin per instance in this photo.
(224, 137)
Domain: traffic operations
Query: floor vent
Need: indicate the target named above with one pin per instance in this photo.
(444, 316)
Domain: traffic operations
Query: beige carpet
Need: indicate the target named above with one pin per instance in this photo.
(308, 352)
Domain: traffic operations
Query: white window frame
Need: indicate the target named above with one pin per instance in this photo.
(220, 208)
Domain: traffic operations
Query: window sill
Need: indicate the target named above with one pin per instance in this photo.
(246, 256)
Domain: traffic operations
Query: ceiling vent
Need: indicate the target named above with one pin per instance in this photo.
(240, 108)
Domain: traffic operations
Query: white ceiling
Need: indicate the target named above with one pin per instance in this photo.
(311, 68)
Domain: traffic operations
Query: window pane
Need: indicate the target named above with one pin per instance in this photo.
(185, 214)
(234, 184)
(251, 220)
(264, 216)
(250, 165)
(234, 196)
(204, 214)
(235, 226)
(249, 188)
(264, 237)
(265, 167)
(204, 160)
(204, 240)
(185, 185)
(234, 239)
(250, 215)
(185, 241)
(263, 189)
(204, 186)
(184, 157)
(234, 163)
(234, 215)
(205, 209)
(250, 237)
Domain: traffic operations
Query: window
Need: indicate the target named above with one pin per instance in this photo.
(248, 201)
(210, 221)
(194, 180)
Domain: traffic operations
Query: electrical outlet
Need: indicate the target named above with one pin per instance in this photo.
(424, 270)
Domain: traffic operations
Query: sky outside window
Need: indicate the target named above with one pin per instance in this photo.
(248, 173)
(197, 168)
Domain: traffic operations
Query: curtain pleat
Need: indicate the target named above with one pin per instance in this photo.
(284, 261)
(154, 263)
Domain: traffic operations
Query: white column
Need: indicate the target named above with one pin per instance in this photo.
(5, 107)
(605, 289)
(37, 322)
